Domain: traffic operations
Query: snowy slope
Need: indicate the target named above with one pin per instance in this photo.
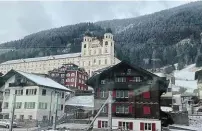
(185, 78)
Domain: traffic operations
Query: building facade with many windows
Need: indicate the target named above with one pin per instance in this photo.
(136, 97)
(95, 54)
(35, 96)
(70, 75)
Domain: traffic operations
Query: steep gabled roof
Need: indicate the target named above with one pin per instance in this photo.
(107, 70)
(40, 80)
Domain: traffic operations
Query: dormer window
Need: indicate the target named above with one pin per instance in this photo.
(103, 81)
(129, 71)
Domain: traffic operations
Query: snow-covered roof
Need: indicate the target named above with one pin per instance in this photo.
(42, 58)
(43, 81)
(160, 74)
(166, 109)
(84, 101)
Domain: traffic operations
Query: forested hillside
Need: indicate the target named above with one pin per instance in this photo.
(173, 33)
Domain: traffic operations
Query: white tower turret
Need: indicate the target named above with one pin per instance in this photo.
(87, 39)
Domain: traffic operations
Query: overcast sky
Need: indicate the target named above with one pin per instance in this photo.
(22, 18)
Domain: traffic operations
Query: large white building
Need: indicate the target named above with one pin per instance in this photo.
(95, 54)
(35, 96)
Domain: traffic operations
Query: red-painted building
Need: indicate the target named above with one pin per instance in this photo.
(136, 95)
(70, 75)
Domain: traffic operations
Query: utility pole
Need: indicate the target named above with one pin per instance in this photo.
(12, 113)
(110, 111)
(55, 112)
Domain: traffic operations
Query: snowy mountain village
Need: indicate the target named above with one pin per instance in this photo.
(94, 90)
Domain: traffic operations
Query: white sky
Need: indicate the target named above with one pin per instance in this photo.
(22, 18)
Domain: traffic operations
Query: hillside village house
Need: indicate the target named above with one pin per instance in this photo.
(35, 96)
(198, 77)
(70, 75)
(136, 95)
(95, 54)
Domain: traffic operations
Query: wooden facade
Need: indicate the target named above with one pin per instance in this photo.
(136, 92)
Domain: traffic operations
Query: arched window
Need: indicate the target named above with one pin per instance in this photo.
(72, 74)
(106, 43)
(84, 46)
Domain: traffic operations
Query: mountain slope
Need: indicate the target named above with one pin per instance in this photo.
(173, 33)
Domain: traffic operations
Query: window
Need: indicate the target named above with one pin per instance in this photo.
(68, 74)
(62, 81)
(7, 92)
(19, 92)
(129, 71)
(84, 46)
(21, 117)
(137, 79)
(99, 62)
(18, 105)
(79, 75)
(105, 61)
(63, 95)
(79, 81)
(67, 80)
(62, 75)
(29, 105)
(106, 43)
(31, 91)
(146, 95)
(122, 94)
(61, 107)
(43, 92)
(5, 105)
(42, 105)
(106, 50)
(99, 51)
(146, 110)
(72, 80)
(120, 79)
(122, 109)
(147, 126)
(94, 61)
(102, 124)
(30, 117)
(103, 82)
(45, 118)
(125, 125)
(104, 110)
(72, 74)
(103, 94)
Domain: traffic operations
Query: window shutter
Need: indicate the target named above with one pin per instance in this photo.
(131, 109)
(141, 126)
(131, 126)
(98, 92)
(99, 124)
(146, 95)
(153, 126)
(114, 94)
(113, 108)
(120, 124)
(146, 110)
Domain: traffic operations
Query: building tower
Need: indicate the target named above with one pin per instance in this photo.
(87, 39)
(108, 44)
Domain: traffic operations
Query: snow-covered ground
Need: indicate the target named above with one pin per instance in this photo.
(85, 101)
(186, 78)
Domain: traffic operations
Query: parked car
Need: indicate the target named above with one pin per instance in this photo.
(6, 123)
